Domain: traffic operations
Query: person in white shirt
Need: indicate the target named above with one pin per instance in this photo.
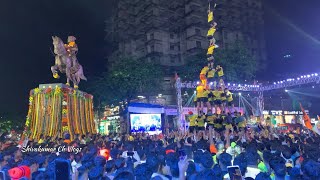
(253, 159)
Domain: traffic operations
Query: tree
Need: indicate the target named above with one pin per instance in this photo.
(128, 78)
(236, 61)
(6, 125)
(11, 123)
(191, 70)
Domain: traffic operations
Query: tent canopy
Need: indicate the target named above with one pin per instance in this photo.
(144, 108)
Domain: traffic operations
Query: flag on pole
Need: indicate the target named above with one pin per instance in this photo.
(306, 118)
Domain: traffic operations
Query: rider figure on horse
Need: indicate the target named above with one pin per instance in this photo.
(72, 50)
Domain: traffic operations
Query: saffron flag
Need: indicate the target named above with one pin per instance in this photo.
(306, 118)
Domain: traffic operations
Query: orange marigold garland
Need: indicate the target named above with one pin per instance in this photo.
(87, 115)
(82, 116)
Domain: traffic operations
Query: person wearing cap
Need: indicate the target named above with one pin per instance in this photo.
(192, 121)
(202, 96)
(203, 74)
(212, 30)
(212, 47)
(210, 15)
(19, 172)
(233, 149)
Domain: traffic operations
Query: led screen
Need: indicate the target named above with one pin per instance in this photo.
(149, 123)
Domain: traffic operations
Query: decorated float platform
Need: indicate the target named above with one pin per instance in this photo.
(57, 109)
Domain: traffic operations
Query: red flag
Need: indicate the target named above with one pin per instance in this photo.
(306, 118)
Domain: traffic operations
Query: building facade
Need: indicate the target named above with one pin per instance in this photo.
(167, 32)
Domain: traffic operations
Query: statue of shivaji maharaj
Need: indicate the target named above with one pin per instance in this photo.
(72, 50)
(66, 61)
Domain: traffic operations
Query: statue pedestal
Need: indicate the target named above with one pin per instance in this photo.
(56, 108)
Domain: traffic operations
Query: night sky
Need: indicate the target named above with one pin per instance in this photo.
(26, 28)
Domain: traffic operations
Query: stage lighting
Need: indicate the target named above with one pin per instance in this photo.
(298, 78)
(274, 83)
(308, 76)
(286, 90)
(198, 82)
(316, 74)
(312, 74)
(211, 83)
(228, 84)
(234, 85)
(312, 86)
(239, 94)
(194, 92)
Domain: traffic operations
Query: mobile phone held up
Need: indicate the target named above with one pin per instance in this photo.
(234, 173)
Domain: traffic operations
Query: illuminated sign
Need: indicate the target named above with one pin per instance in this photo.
(265, 112)
(295, 112)
(279, 112)
(113, 117)
(273, 112)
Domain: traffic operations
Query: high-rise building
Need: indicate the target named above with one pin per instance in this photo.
(167, 32)
(242, 20)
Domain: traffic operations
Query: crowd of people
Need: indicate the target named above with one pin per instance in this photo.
(260, 153)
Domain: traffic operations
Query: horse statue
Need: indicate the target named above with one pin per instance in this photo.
(65, 63)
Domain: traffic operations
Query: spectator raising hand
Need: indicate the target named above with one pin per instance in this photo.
(183, 166)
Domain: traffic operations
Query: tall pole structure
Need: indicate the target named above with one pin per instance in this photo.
(179, 102)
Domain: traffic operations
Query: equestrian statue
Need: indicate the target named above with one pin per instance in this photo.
(66, 61)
